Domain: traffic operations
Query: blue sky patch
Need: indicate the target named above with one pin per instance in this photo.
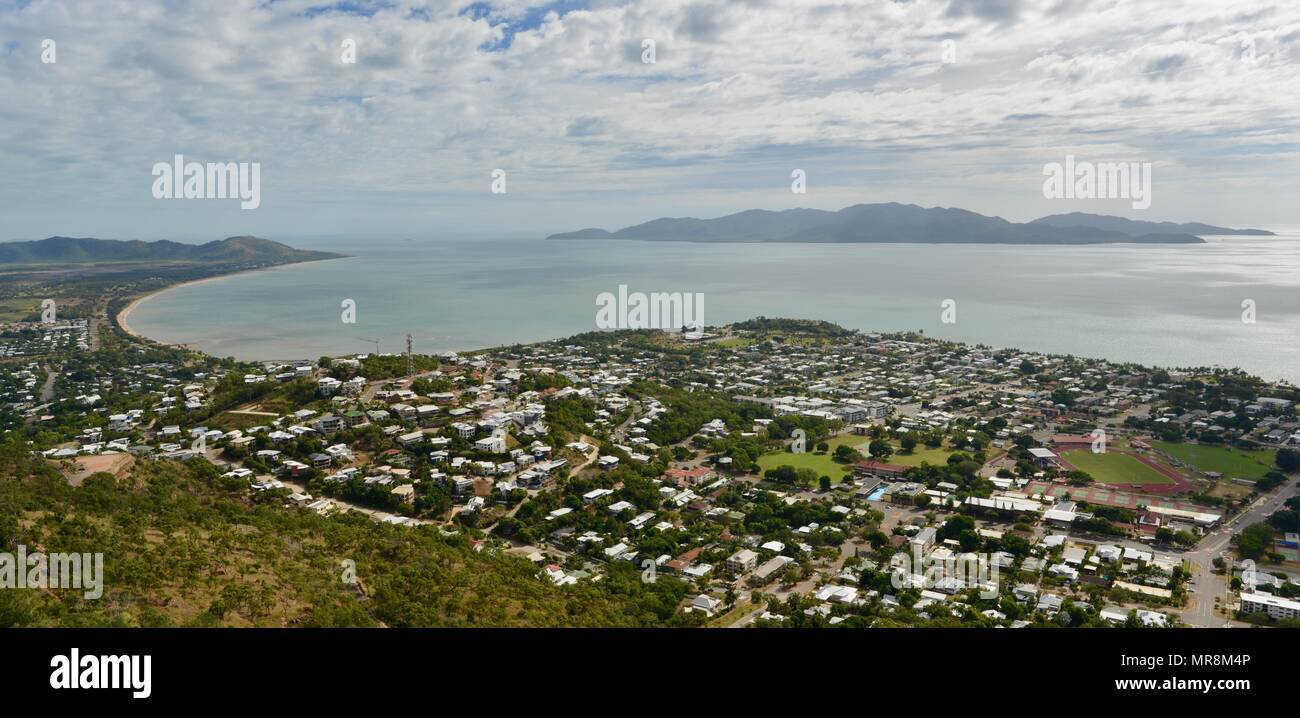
(530, 20)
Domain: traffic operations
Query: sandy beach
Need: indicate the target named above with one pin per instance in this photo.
(122, 315)
(130, 307)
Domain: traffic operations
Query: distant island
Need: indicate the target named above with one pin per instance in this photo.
(909, 224)
(79, 250)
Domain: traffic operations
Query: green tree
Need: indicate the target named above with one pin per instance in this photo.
(1288, 459)
(1255, 540)
(880, 449)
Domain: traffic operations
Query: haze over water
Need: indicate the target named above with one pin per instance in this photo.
(1167, 305)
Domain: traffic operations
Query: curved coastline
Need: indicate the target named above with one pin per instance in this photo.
(122, 315)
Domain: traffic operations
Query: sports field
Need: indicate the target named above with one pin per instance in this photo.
(1115, 468)
(1232, 463)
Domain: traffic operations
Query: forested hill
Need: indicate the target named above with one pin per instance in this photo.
(77, 250)
(184, 547)
(907, 224)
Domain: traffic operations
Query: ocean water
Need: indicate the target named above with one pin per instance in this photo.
(1170, 305)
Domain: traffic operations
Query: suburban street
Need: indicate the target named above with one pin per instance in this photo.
(1205, 584)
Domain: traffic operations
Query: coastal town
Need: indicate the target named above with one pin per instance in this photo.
(501, 349)
(773, 472)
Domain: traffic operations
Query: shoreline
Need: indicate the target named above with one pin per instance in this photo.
(121, 317)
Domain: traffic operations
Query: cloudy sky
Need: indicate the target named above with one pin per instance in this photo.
(955, 103)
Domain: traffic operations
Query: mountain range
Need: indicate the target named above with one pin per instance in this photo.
(73, 250)
(908, 223)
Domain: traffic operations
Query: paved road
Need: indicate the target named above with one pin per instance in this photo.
(1206, 584)
(213, 455)
(825, 569)
(591, 458)
(345, 505)
(100, 315)
(47, 389)
(619, 434)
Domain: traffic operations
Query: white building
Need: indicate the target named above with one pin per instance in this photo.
(742, 561)
(1274, 606)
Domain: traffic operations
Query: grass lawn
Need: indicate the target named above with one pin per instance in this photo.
(1115, 468)
(18, 308)
(823, 464)
(227, 421)
(732, 343)
(1232, 463)
(730, 617)
(921, 454)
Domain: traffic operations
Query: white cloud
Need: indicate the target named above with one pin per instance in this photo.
(856, 93)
